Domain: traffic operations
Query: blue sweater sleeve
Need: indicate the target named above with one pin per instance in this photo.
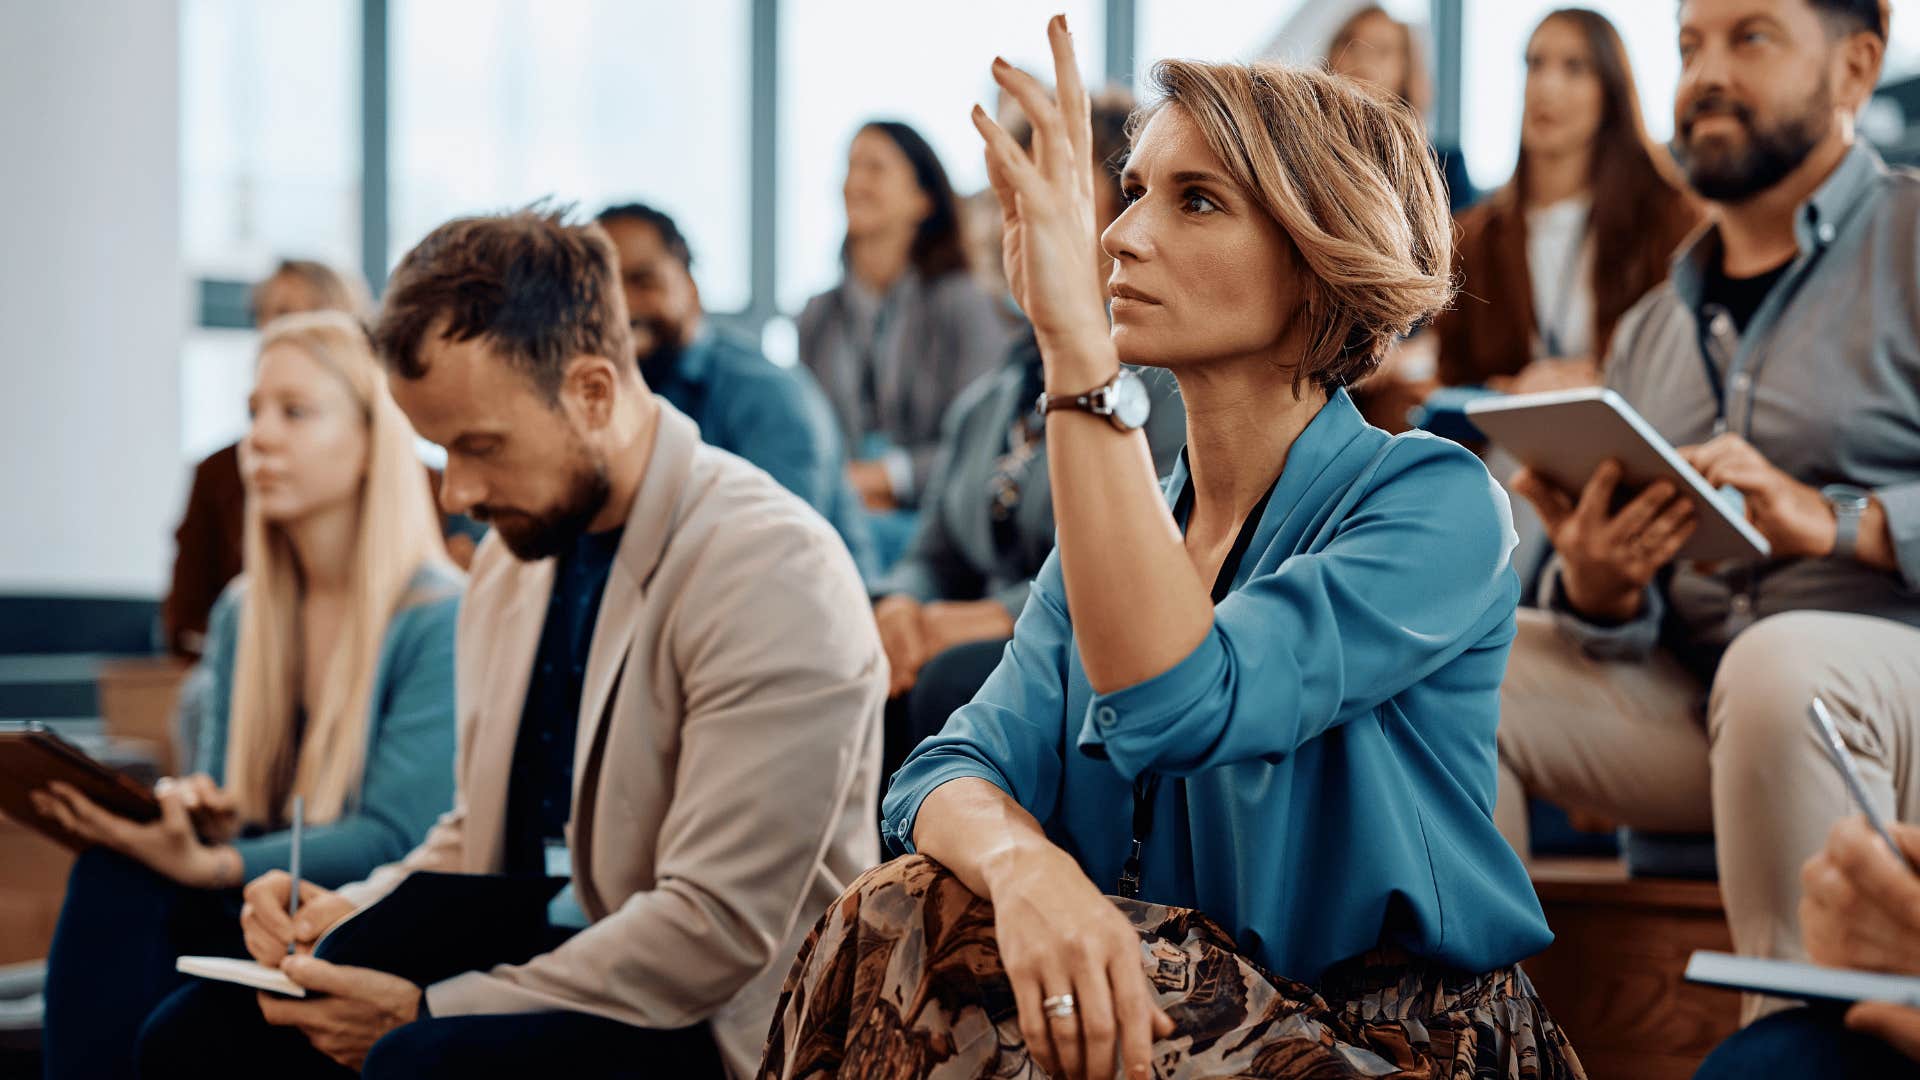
(1010, 734)
(1416, 573)
(212, 704)
(408, 780)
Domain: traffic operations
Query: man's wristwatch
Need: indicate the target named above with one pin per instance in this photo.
(1849, 504)
(1123, 400)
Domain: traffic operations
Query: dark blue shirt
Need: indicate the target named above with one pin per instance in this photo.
(540, 793)
(777, 418)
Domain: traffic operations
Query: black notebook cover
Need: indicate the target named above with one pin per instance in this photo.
(434, 926)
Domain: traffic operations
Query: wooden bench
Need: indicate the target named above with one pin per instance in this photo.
(1612, 977)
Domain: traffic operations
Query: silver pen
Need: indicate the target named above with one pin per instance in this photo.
(1842, 759)
(293, 861)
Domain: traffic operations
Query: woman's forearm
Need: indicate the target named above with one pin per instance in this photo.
(1138, 606)
(973, 828)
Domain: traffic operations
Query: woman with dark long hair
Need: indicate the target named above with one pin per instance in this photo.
(1549, 263)
(907, 329)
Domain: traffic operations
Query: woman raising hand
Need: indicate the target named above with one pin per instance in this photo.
(1225, 805)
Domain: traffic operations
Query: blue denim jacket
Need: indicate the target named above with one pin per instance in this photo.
(1329, 746)
(774, 417)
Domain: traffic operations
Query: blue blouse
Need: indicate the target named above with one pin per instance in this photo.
(1329, 747)
(408, 778)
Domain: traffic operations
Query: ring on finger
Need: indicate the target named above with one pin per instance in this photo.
(1059, 1006)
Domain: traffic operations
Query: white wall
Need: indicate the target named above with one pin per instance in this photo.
(93, 301)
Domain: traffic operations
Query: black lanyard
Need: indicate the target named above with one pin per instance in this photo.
(1147, 785)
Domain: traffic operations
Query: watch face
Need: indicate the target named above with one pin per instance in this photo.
(1131, 403)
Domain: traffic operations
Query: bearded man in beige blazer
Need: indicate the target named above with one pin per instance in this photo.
(718, 787)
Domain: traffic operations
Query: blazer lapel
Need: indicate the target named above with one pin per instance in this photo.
(501, 700)
(650, 525)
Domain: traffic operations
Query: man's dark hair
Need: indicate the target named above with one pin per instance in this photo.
(670, 235)
(1853, 16)
(537, 289)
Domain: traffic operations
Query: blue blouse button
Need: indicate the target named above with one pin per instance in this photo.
(1106, 717)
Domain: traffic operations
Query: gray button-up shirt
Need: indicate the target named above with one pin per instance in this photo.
(1825, 382)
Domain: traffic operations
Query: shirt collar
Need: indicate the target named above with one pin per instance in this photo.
(1328, 433)
(691, 361)
(697, 358)
(1815, 224)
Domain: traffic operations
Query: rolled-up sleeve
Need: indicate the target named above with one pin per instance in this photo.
(1417, 574)
(1010, 733)
(1902, 504)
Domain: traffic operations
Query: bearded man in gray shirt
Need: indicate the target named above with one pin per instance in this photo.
(1783, 356)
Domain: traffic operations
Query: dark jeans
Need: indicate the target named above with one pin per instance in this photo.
(947, 682)
(1804, 1044)
(120, 930)
(213, 1031)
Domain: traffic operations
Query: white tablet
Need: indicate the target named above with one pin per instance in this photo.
(1808, 982)
(1564, 435)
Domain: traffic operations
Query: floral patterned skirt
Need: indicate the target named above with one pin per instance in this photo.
(901, 978)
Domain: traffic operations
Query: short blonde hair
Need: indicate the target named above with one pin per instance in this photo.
(1346, 171)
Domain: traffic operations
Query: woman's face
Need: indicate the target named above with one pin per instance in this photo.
(881, 193)
(285, 294)
(1375, 51)
(1564, 102)
(306, 448)
(1200, 270)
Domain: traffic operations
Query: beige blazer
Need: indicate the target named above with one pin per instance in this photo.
(727, 764)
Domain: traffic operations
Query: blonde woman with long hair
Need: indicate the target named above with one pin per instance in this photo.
(331, 670)
(1257, 703)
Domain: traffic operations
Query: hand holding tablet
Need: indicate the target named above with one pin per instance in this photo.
(1564, 438)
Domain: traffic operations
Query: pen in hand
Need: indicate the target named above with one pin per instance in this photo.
(293, 868)
(1842, 759)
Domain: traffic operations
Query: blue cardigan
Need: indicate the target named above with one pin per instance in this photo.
(408, 779)
(1328, 748)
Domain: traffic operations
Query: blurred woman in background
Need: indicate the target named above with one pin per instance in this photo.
(906, 330)
(1374, 47)
(207, 541)
(1590, 191)
(330, 664)
(986, 525)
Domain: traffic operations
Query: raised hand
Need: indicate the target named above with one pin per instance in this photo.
(1049, 239)
(1608, 559)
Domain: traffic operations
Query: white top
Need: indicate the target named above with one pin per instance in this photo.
(1560, 262)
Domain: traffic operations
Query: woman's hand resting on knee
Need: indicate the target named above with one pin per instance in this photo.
(1057, 934)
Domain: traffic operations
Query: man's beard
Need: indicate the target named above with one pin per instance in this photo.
(1770, 154)
(539, 536)
(657, 361)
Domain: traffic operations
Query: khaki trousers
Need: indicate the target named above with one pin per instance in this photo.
(1642, 743)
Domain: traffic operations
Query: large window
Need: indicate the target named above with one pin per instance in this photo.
(270, 167)
(843, 62)
(1291, 30)
(269, 133)
(496, 103)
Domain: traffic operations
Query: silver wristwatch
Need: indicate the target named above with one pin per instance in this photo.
(1849, 504)
(1123, 400)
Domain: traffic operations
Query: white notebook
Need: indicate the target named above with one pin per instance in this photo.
(1785, 978)
(243, 972)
